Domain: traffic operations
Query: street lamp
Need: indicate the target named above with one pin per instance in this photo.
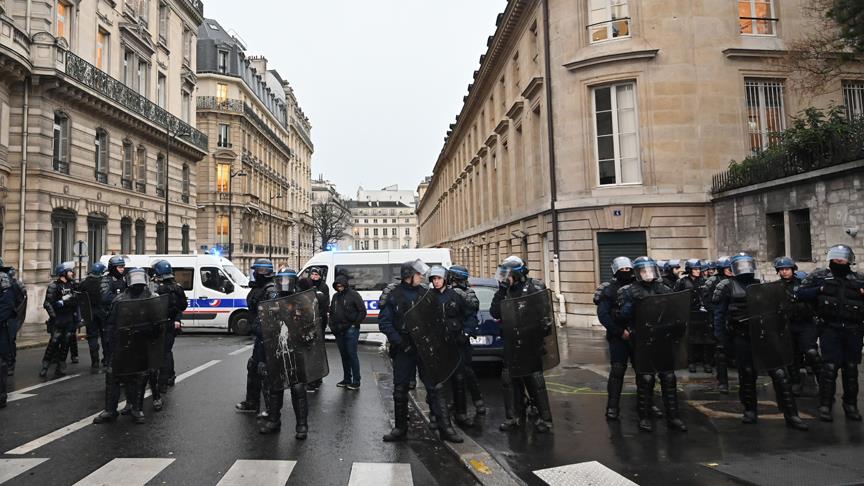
(299, 228)
(231, 176)
(182, 130)
(270, 245)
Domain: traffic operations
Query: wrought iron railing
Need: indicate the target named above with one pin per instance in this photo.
(96, 79)
(220, 104)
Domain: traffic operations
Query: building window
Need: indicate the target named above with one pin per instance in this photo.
(184, 184)
(223, 177)
(800, 242)
(103, 47)
(222, 229)
(185, 105)
(101, 151)
(140, 237)
(222, 61)
(184, 239)
(126, 177)
(142, 77)
(766, 115)
(853, 98)
(375, 244)
(407, 231)
(610, 19)
(617, 146)
(141, 171)
(375, 232)
(61, 142)
(164, 16)
(62, 236)
(161, 81)
(63, 20)
(384, 232)
(187, 45)
(775, 235)
(128, 63)
(221, 91)
(125, 236)
(161, 249)
(97, 237)
(365, 231)
(756, 17)
(161, 175)
(224, 136)
(144, 11)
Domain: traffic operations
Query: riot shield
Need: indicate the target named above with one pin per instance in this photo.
(85, 311)
(437, 348)
(659, 326)
(530, 337)
(699, 330)
(293, 340)
(140, 334)
(770, 338)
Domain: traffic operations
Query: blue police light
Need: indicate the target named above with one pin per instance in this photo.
(216, 251)
(332, 247)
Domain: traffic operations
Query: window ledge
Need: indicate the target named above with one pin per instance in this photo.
(628, 55)
(745, 53)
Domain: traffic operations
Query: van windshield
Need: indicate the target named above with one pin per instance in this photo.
(236, 275)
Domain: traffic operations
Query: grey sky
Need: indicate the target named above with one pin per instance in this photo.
(380, 80)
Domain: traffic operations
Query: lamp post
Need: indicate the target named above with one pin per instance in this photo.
(182, 130)
(299, 229)
(231, 176)
(270, 245)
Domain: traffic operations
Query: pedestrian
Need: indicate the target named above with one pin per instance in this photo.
(802, 325)
(62, 307)
(7, 316)
(256, 367)
(838, 295)
(514, 283)
(92, 286)
(166, 284)
(631, 298)
(315, 280)
(732, 318)
(347, 312)
(458, 276)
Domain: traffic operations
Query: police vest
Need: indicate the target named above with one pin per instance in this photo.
(737, 301)
(841, 301)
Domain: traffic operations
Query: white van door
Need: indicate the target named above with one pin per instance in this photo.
(211, 302)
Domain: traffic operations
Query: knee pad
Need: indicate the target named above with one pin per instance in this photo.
(779, 374)
(645, 379)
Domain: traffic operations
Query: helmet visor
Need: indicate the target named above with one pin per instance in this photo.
(503, 274)
(648, 273)
(286, 282)
(137, 278)
(420, 267)
(743, 266)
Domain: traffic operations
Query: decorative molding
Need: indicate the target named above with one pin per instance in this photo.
(63, 202)
(492, 140)
(133, 213)
(741, 53)
(610, 58)
(98, 207)
(533, 88)
(515, 111)
(501, 128)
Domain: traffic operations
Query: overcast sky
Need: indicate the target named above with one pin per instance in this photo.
(380, 80)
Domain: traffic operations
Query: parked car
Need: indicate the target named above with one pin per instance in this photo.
(488, 346)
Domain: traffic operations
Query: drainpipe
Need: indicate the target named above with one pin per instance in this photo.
(27, 17)
(25, 135)
(553, 185)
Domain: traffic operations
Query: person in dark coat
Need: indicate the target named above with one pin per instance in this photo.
(347, 312)
(315, 280)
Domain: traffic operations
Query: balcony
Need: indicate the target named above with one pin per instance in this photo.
(99, 81)
(213, 103)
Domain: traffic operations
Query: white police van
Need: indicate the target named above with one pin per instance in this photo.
(370, 271)
(215, 288)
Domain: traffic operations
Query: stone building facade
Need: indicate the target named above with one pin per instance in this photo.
(96, 127)
(387, 224)
(254, 187)
(593, 128)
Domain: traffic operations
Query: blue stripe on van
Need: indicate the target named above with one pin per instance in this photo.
(217, 303)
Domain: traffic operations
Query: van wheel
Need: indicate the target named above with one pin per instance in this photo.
(240, 324)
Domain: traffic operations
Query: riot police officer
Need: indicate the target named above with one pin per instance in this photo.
(62, 307)
(7, 316)
(731, 317)
(670, 272)
(838, 294)
(647, 283)
(514, 283)
(113, 284)
(92, 286)
(618, 336)
(285, 284)
(698, 352)
(457, 278)
(261, 286)
(316, 281)
(802, 325)
(166, 284)
(14, 324)
(722, 350)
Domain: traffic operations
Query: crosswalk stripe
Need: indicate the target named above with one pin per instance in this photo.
(10, 468)
(380, 474)
(264, 473)
(583, 474)
(126, 471)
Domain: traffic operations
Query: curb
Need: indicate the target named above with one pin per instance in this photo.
(479, 462)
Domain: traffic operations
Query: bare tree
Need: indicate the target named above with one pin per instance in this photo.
(332, 220)
(832, 47)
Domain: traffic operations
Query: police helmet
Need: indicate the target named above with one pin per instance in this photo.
(262, 268)
(97, 269)
(116, 262)
(723, 262)
(438, 271)
(785, 262)
(841, 252)
(621, 263)
(162, 269)
(671, 265)
(511, 266)
(409, 269)
(646, 269)
(63, 269)
(692, 264)
(743, 264)
(458, 273)
(136, 277)
(286, 280)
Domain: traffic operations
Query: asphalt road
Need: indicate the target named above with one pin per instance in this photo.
(46, 437)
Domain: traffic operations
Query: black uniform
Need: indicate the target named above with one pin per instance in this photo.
(696, 353)
(805, 334)
(62, 307)
(256, 366)
(323, 295)
(14, 324)
(455, 309)
(112, 285)
(466, 378)
(176, 307)
(92, 286)
(7, 317)
(722, 350)
(620, 350)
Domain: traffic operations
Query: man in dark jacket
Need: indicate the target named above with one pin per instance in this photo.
(465, 379)
(256, 367)
(347, 312)
(20, 297)
(618, 336)
(7, 316)
(92, 286)
(316, 281)
(62, 307)
(163, 278)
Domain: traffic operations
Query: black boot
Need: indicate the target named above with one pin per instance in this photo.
(827, 390)
(850, 392)
(60, 369)
(613, 389)
(112, 396)
(460, 401)
(3, 373)
(73, 346)
(722, 370)
(536, 384)
(786, 400)
(513, 411)
(645, 400)
(275, 401)
(669, 392)
(747, 394)
(473, 387)
(400, 408)
(445, 427)
(301, 412)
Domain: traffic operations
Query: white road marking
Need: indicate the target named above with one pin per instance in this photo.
(241, 350)
(126, 471)
(23, 393)
(583, 474)
(264, 473)
(64, 431)
(10, 468)
(380, 474)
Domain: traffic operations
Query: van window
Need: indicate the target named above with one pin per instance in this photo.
(184, 277)
(321, 268)
(369, 277)
(214, 279)
(236, 275)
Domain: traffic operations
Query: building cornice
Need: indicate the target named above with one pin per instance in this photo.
(741, 53)
(610, 58)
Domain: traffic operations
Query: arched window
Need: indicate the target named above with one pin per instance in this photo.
(128, 164)
(161, 247)
(140, 237)
(61, 142)
(125, 236)
(101, 154)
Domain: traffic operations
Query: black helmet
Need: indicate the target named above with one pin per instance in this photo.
(457, 274)
(286, 280)
(511, 266)
(409, 269)
(646, 269)
(785, 262)
(114, 263)
(743, 264)
(63, 270)
(137, 277)
(162, 269)
(262, 268)
(692, 264)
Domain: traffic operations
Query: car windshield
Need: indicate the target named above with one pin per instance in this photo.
(236, 275)
(484, 295)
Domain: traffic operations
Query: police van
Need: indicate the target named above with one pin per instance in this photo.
(215, 288)
(370, 271)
